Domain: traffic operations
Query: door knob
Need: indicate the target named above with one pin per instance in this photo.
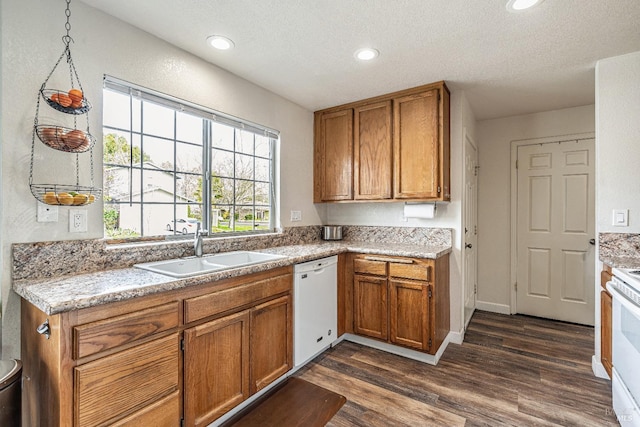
(468, 246)
(592, 241)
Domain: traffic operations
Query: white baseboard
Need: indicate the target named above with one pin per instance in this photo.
(456, 337)
(401, 351)
(493, 307)
(598, 368)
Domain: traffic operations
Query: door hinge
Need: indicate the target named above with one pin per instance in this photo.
(429, 293)
(515, 286)
(516, 164)
(439, 189)
(475, 288)
(429, 344)
(181, 422)
(182, 344)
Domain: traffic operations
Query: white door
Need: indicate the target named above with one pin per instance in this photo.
(470, 229)
(555, 222)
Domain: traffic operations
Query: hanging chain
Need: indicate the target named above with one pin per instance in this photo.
(67, 39)
(33, 138)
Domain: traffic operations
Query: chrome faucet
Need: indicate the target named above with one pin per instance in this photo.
(197, 243)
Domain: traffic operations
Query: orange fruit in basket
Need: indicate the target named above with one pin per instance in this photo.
(50, 198)
(63, 99)
(75, 95)
(75, 139)
(50, 136)
(80, 199)
(65, 199)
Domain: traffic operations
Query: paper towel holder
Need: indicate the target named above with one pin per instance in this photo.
(406, 204)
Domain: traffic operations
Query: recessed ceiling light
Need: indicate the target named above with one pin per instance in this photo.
(366, 54)
(220, 42)
(520, 5)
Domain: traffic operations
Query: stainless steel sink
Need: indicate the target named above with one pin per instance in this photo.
(187, 267)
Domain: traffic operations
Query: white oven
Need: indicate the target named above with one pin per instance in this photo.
(625, 289)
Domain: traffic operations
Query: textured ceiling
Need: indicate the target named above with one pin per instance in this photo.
(507, 63)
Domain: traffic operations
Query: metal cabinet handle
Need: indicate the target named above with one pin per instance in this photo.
(468, 246)
(44, 329)
(592, 241)
(393, 260)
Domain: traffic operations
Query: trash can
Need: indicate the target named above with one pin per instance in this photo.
(10, 393)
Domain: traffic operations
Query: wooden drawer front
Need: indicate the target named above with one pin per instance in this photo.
(164, 413)
(126, 382)
(416, 271)
(98, 336)
(218, 302)
(365, 266)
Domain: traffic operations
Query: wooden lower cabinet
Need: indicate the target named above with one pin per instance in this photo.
(403, 301)
(410, 303)
(271, 342)
(143, 362)
(216, 368)
(370, 307)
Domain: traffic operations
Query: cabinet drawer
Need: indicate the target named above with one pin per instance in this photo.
(105, 334)
(417, 271)
(219, 302)
(365, 266)
(164, 413)
(126, 382)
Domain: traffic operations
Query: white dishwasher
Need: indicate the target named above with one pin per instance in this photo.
(315, 307)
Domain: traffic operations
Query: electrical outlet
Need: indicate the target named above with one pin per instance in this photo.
(47, 213)
(621, 217)
(296, 216)
(77, 220)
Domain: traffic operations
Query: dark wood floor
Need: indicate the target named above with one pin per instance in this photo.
(510, 371)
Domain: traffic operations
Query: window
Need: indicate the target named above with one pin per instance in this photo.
(169, 165)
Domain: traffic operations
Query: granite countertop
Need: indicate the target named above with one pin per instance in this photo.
(66, 293)
(621, 261)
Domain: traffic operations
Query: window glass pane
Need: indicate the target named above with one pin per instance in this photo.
(189, 128)
(117, 148)
(244, 166)
(262, 194)
(158, 152)
(244, 192)
(118, 115)
(116, 183)
(244, 142)
(185, 221)
(188, 188)
(157, 120)
(157, 186)
(263, 146)
(262, 169)
(222, 163)
(136, 115)
(222, 191)
(188, 158)
(222, 136)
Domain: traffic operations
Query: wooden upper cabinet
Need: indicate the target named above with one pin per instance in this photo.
(415, 146)
(391, 147)
(333, 166)
(372, 154)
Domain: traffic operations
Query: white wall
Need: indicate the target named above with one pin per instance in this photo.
(494, 190)
(31, 43)
(618, 141)
(449, 215)
(617, 153)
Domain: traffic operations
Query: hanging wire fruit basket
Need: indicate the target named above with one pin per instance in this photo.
(65, 138)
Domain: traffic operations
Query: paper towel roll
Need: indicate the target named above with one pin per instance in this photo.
(420, 210)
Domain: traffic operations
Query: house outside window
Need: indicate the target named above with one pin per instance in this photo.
(169, 165)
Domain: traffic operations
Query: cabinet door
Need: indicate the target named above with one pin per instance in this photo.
(416, 138)
(216, 368)
(409, 314)
(333, 174)
(271, 342)
(370, 306)
(372, 153)
(605, 331)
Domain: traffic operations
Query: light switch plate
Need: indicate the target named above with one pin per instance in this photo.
(47, 213)
(621, 217)
(296, 216)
